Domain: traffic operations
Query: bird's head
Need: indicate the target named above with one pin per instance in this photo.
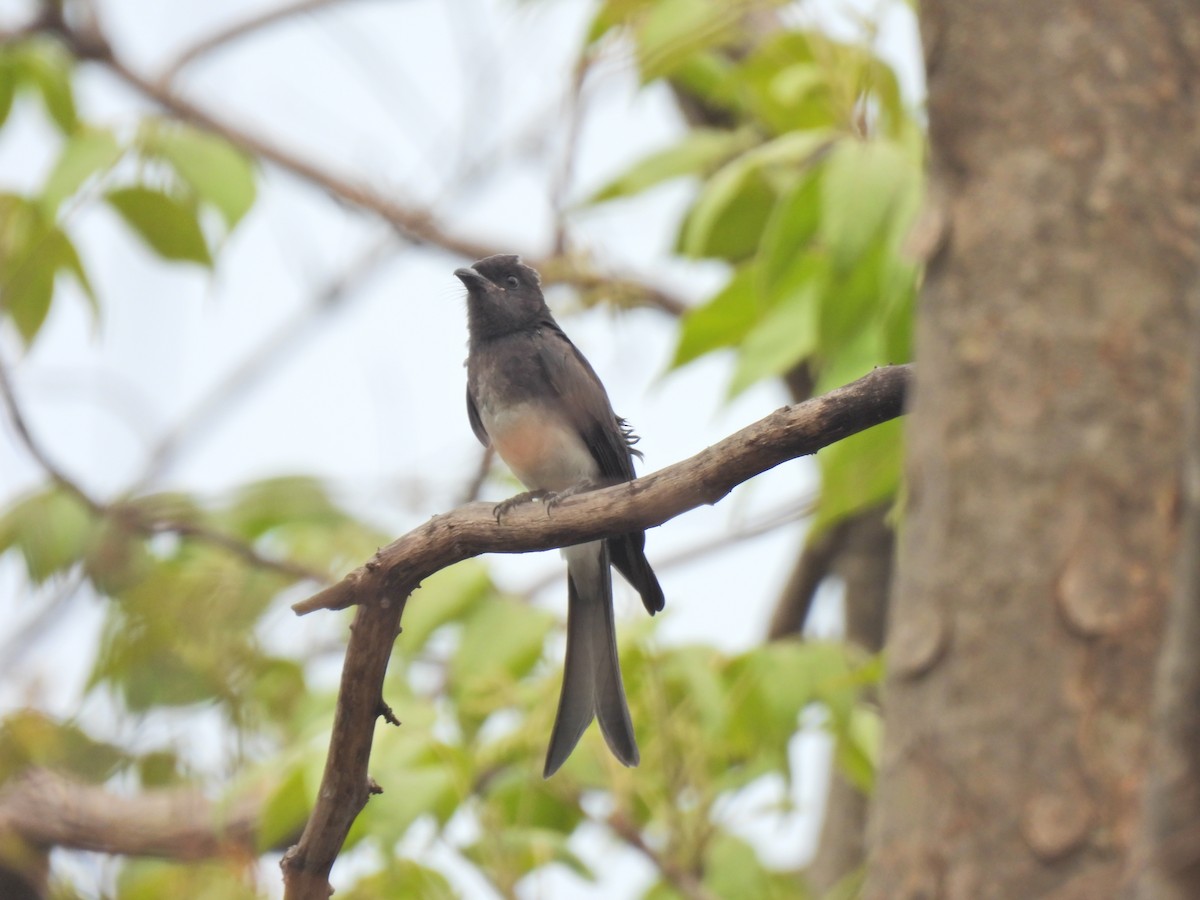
(503, 295)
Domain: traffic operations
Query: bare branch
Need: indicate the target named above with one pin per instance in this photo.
(238, 31)
(649, 501)
(381, 587)
(50, 810)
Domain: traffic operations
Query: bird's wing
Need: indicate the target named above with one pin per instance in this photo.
(585, 405)
(476, 422)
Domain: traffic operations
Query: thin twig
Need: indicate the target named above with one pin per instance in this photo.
(239, 30)
(134, 517)
(224, 396)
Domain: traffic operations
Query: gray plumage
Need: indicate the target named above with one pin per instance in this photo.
(533, 396)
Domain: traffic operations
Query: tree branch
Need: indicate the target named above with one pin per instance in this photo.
(381, 587)
(45, 809)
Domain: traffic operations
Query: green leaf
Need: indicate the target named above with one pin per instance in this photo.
(500, 643)
(261, 506)
(860, 471)
(30, 738)
(672, 31)
(219, 173)
(52, 530)
(147, 879)
(8, 86)
(791, 230)
(857, 749)
(285, 812)
(523, 850)
(697, 153)
(166, 223)
(47, 67)
(729, 215)
(863, 185)
(721, 322)
(448, 596)
(401, 878)
(513, 799)
(733, 871)
(787, 332)
(85, 153)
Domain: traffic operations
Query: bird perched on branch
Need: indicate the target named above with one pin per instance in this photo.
(533, 397)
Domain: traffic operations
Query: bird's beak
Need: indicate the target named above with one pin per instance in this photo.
(470, 278)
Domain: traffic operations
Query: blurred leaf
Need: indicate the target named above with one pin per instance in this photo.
(85, 153)
(721, 322)
(166, 223)
(858, 472)
(46, 66)
(158, 768)
(691, 676)
(184, 632)
(697, 153)
(8, 86)
(32, 252)
(522, 850)
(285, 812)
(791, 230)
(116, 556)
(769, 686)
(500, 643)
(512, 798)
(671, 31)
(401, 878)
(733, 871)
(143, 879)
(787, 84)
(857, 749)
(865, 181)
(263, 505)
(447, 596)
(728, 217)
(30, 738)
(51, 529)
(425, 787)
(786, 334)
(218, 172)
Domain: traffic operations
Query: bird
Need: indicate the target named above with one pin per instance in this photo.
(534, 398)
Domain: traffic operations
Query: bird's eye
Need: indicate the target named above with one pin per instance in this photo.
(512, 281)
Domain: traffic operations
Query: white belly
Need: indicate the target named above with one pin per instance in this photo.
(540, 447)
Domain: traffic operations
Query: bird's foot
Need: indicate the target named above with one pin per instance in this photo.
(554, 498)
(502, 509)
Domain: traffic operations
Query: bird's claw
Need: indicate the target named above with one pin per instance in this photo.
(502, 509)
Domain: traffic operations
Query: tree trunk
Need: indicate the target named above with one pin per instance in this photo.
(1044, 448)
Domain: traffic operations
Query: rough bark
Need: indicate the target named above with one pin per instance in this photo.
(1166, 865)
(41, 810)
(1044, 446)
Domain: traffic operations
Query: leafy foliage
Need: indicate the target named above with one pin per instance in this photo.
(808, 192)
(160, 181)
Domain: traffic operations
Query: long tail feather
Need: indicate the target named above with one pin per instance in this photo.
(592, 686)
